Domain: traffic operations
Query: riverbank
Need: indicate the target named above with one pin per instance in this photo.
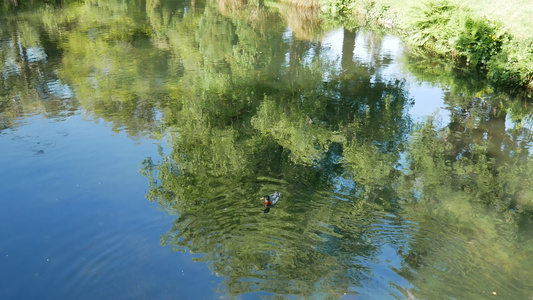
(491, 37)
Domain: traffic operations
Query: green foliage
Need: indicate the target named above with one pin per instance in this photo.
(337, 7)
(376, 12)
(354, 13)
(436, 26)
(514, 64)
(480, 40)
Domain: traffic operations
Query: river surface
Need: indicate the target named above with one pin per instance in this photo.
(137, 139)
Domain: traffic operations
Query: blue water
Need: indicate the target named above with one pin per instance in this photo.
(74, 223)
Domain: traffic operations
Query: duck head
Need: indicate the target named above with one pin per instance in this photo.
(266, 200)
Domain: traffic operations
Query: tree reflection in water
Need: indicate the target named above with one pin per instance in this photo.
(371, 204)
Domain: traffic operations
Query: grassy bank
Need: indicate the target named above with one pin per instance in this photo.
(493, 36)
(514, 14)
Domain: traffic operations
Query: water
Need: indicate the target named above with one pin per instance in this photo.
(74, 220)
(137, 140)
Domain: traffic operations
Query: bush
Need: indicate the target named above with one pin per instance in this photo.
(335, 8)
(479, 40)
(435, 27)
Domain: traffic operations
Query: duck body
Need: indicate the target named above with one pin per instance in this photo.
(271, 200)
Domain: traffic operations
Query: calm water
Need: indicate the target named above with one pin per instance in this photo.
(136, 140)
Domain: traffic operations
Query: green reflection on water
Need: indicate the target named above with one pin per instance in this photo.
(248, 110)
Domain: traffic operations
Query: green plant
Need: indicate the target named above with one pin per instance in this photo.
(513, 65)
(376, 11)
(436, 26)
(479, 40)
(336, 8)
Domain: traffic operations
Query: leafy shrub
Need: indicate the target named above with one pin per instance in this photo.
(375, 11)
(513, 65)
(436, 26)
(479, 40)
(337, 7)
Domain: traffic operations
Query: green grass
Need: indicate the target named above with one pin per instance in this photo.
(515, 15)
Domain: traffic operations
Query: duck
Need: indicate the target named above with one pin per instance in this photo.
(271, 200)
